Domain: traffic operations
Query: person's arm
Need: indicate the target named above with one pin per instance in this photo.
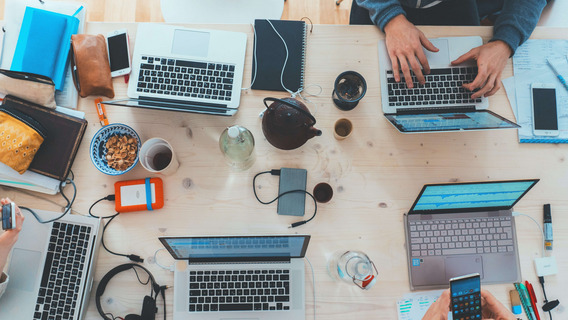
(382, 11)
(514, 25)
(7, 240)
(403, 40)
(516, 21)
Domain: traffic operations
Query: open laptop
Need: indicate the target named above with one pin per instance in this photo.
(441, 104)
(239, 277)
(181, 69)
(461, 228)
(52, 267)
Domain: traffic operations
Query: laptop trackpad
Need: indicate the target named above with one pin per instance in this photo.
(440, 58)
(462, 265)
(191, 43)
(24, 266)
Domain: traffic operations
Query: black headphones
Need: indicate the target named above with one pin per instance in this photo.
(149, 309)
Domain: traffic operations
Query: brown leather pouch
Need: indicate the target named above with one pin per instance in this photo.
(91, 69)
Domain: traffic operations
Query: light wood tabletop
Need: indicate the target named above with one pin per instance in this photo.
(376, 174)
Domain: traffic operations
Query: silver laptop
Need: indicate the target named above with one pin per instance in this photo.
(239, 277)
(441, 104)
(181, 69)
(51, 268)
(462, 228)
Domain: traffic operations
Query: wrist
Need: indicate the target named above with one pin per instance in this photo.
(395, 22)
(504, 47)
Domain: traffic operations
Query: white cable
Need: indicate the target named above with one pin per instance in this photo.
(313, 284)
(293, 94)
(170, 268)
(253, 59)
(538, 225)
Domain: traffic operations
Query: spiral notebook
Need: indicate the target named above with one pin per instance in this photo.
(270, 55)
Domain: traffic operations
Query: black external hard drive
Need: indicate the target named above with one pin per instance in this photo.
(294, 203)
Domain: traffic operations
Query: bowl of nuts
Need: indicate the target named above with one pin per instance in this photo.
(114, 149)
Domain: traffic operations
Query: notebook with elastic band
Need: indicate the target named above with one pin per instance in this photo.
(63, 135)
(270, 54)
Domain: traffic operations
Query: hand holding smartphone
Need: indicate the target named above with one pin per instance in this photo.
(9, 216)
(465, 292)
(118, 52)
(544, 109)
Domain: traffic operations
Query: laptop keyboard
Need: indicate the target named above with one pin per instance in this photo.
(184, 78)
(63, 271)
(443, 87)
(461, 236)
(239, 290)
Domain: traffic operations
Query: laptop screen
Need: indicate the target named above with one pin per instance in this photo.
(468, 197)
(236, 248)
(449, 121)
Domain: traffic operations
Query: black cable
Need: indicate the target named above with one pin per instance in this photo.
(67, 207)
(111, 197)
(541, 280)
(276, 172)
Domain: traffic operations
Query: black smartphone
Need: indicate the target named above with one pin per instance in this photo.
(9, 216)
(466, 297)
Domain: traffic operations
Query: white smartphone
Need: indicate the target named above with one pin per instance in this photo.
(118, 52)
(544, 109)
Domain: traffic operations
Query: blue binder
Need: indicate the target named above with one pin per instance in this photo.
(44, 43)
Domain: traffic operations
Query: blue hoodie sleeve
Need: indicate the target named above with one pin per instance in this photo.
(517, 20)
(382, 11)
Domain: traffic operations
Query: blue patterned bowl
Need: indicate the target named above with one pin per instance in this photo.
(99, 150)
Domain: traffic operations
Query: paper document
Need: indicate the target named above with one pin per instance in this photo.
(414, 305)
(530, 66)
(532, 54)
(14, 15)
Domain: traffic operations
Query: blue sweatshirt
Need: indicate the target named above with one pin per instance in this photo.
(513, 26)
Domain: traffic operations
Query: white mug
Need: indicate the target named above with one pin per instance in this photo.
(157, 156)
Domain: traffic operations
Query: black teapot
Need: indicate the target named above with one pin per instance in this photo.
(287, 123)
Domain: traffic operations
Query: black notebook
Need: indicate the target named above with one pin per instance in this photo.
(271, 54)
(63, 137)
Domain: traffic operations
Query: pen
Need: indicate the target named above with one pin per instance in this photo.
(532, 297)
(558, 75)
(101, 112)
(547, 227)
(527, 303)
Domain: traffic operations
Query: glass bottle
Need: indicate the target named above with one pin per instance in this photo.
(237, 145)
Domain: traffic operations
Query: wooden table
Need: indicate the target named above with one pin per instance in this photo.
(376, 174)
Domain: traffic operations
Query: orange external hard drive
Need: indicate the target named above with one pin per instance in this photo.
(139, 195)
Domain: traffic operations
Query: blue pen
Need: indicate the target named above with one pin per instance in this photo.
(558, 75)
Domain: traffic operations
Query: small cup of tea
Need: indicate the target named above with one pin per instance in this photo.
(157, 156)
(342, 128)
(323, 192)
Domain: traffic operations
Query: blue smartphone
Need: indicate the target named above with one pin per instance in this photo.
(466, 297)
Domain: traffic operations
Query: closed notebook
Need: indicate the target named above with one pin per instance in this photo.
(270, 55)
(43, 44)
(63, 137)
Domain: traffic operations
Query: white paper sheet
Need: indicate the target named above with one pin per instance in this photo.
(414, 305)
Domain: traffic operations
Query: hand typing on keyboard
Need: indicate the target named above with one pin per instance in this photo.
(404, 44)
(491, 60)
